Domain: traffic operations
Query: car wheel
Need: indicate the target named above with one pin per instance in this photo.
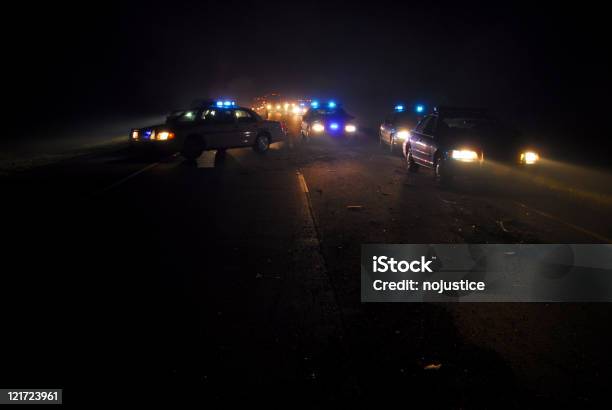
(412, 166)
(262, 143)
(192, 148)
(442, 177)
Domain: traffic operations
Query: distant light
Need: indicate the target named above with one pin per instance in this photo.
(333, 126)
(331, 104)
(399, 108)
(135, 134)
(350, 128)
(419, 108)
(314, 104)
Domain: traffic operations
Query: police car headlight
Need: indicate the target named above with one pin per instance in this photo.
(318, 127)
(350, 128)
(529, 157)
(135, 134)
(163, 136)
(403, 135)
(464, 155)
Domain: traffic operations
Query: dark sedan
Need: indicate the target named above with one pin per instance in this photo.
(327, 119)
(458, 141)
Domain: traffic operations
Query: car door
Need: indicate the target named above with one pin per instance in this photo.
(219, 128)
(246, 127)
(420, 141)
(387, 129)
(428, 141)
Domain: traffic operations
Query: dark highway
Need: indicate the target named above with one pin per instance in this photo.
(237, 278)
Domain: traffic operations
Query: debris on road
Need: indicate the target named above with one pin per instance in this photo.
(501, 225)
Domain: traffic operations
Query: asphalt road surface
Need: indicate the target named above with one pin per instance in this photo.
(148, 279)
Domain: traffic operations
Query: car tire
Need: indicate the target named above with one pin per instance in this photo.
(192, 147)
(262, 143)
(412, 166)
(442, 178)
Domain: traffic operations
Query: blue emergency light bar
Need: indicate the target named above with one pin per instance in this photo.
(314, 104)
(420, 108)
(225, 104)
(399, 108)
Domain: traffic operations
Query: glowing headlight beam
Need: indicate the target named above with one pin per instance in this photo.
(464, 155)
(529, 157)
(164, 136)
(318, 127)
(403, 135)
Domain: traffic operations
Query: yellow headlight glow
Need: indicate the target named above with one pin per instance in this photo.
(350, 128)
(318, 127)
(464, 155)
(529, 157)
(135, 134)
(162, 136)
(403, 135)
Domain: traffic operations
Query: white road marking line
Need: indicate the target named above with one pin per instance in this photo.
(303, 184)
(140, 171)
(569, 225)
(121, 181)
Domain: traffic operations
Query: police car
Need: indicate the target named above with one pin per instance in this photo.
(327, 119)
(456, 141)
(209, 125)
(395, 129)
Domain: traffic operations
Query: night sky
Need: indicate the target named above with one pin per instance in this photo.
(542, 68)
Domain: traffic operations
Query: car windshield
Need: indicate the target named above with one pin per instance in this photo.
(322, 112)
(468, 123)
(182, 116)
(405, 119)
(482, 127)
